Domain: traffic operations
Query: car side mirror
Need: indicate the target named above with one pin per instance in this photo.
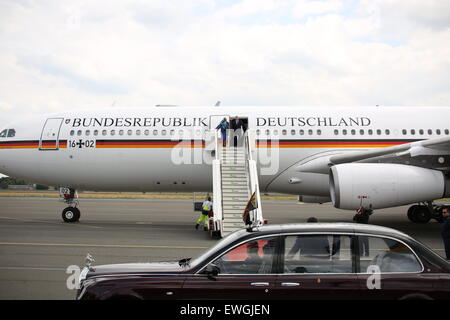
(212, 271)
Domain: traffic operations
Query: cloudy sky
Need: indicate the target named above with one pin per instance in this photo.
(59, 56)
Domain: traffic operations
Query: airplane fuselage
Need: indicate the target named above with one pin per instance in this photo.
(171, 148)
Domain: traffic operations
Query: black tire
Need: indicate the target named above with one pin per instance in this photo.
(71, 214)
(216, 234)
(438, 215)
(411, 213)
(421, 214)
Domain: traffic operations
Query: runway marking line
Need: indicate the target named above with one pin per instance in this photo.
(96, 245)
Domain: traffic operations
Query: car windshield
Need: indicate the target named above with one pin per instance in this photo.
(217, 247)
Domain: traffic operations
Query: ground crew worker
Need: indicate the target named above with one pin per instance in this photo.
(445, 231)
(204, 216)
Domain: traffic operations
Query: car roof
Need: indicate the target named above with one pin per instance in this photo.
(329, 227)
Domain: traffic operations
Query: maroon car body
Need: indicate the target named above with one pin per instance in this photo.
(298, 261)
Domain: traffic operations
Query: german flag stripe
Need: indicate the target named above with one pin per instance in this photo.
(150, 144)
(330, 143)
(32, 144)
(362, 143)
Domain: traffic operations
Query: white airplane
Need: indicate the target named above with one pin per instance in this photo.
(356, 157)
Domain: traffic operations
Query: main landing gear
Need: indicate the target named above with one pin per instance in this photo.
(71, 213)
(424, 212)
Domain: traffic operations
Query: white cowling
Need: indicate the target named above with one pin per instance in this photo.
(381, 185)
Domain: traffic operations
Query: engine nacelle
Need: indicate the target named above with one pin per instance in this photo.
(383, 185)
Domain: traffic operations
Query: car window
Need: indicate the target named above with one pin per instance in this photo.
(318, 254)
(389, 255)
(254, 257)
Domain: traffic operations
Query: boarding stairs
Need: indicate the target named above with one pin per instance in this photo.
(235, 179)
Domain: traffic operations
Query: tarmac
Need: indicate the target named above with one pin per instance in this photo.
(37, 247)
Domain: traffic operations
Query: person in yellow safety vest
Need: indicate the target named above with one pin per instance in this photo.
(206, 208)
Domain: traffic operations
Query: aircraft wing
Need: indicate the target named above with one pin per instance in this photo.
(432, 154)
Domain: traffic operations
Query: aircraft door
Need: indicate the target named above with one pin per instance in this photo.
(50, 134)
(215, 120)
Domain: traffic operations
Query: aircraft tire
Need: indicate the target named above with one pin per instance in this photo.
(421, 214)
(71, 214)
(411, 213)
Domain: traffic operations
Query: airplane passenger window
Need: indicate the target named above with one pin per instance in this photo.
(292, 132)
(378, 132)
(421, 131)
(163, 132)
(258, 132)
(319, 132)
(95, 132)
(310, 132)
(130, 132)
(147, 132)
(138, 132)
(155, 132)
(404, 131)
(172, 132)
(113, 132)
(275, 132)
(438, 131)
(361, 132)
(120, 132)
(353, 132)
(104, 132)
(446, 131)
(344, 132)
(430, 131)
(336, 132)
(72, 132)
(284, 132)
(413, 132)
(370, 132)
(267, 132)
(387, 132)
(302, 132)
(79, 133)
(3, 133)
(88, 132)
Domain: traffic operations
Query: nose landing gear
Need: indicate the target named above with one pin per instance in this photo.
(71, 213)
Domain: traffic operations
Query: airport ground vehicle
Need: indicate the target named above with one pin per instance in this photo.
(293, 261)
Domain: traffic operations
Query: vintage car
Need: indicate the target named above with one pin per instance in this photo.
(294, 261)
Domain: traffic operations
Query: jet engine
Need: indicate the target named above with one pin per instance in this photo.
(384, 185)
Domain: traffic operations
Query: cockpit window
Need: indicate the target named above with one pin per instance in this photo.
(11, 133)
(3, 133)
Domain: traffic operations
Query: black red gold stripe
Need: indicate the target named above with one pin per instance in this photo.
(150, 144)
(360, 143)
(338, 143)
(32, 144)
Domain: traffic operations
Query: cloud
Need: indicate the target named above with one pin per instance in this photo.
(87, 54)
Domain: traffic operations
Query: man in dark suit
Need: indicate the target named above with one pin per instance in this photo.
(237, 125)
(445, 230)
